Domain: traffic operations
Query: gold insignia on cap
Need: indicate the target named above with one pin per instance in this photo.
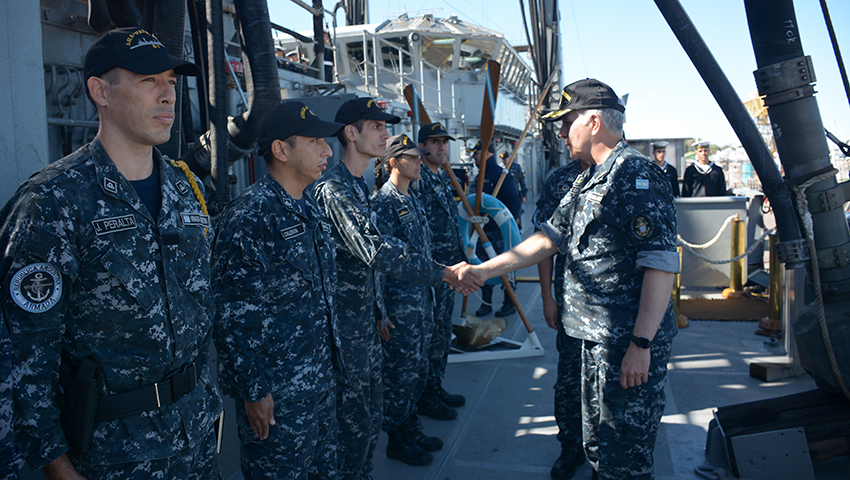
(567, 96)
(369, 103)
(404, 140)
(304, 111)
(153, 42)
(436, 126)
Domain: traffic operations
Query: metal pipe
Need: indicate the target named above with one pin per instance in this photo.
(220, 194)
(786, 79)
(739, 119)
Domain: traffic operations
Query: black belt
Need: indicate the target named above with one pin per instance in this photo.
(149, 397)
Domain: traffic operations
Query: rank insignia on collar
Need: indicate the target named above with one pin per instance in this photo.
(641, 226)
(36, 288)
(182, 187)
(110, 185)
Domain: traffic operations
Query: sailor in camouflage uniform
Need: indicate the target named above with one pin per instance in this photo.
(410, 307)
(436, 195)
(10, 455)
(362, 250)
(617, 229)
(274, 280)
(106, 288)
(568, 382)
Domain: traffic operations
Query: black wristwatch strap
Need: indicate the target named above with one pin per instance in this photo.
(641, 342)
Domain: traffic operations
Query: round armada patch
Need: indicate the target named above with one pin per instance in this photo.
(36, 288)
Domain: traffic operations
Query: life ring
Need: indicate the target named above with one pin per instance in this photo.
(499, 213)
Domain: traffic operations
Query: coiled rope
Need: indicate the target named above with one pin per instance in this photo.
(803, 211)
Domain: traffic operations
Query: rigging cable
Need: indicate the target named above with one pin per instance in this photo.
(835, 48)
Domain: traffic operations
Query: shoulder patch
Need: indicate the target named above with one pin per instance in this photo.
(642, 184)
(36, 288)
(642, 227)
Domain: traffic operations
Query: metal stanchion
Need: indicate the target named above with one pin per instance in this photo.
(739, 243)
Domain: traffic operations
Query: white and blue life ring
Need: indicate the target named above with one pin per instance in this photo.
(499, 213)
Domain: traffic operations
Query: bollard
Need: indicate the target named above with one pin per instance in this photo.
(736, 268)
(681, 320)
(774, 283)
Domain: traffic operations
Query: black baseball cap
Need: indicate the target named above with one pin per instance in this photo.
(431, 130)
(136, 50)
(402, 145)
(584, 95)
(289, 118)
(360, 108)
(477, 147)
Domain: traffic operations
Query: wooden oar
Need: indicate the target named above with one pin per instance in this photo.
(528, 125)
(416, 104)
(488, 123)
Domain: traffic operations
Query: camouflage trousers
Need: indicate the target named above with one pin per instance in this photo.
(301, 444)
(568, 393)
(406, 363)
(199, 462)
(441, 337)
(620, 425)
(359, 404)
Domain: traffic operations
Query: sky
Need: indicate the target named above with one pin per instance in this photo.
(628, 45)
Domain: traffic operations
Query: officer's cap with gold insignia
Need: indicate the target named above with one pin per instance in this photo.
(585, 95)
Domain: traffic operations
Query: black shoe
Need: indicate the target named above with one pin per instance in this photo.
(402, 446)
(429, 444)
(431, 406)
(483, 310)
(508, 308)
(565, 466)
(453, 400)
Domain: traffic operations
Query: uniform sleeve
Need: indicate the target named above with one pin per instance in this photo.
(377, 250)
(240, 260)
(10, 457)
(688, 183)
(647, 212)
(36, 238)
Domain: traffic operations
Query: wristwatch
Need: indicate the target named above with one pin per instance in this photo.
(641, 342)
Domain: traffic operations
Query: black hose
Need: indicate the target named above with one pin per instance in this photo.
(738, 117)
(220, 194)
(261, 75)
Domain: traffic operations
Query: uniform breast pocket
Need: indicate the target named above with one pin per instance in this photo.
(296, 272)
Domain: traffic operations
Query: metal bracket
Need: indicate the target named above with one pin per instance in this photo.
(834, 257)
(796, 251)
(788, 75)
(774, 454)
(831, 199)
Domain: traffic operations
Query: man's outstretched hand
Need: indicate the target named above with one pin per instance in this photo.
(461, 279)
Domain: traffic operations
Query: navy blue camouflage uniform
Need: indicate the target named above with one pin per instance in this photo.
(436, 195)
(360, 251)
(88, 272)
(611, 226)
(568, 383)
(10, 456)
(274, 280)
(409, 307)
